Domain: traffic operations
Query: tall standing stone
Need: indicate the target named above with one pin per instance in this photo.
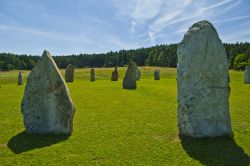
(20, 79)
(157, 74)
(247, 75)
(203, 83)
(69, 73)
(47, 106)
(92, 74)
(129, 81)
(138, 73)
(115, 75)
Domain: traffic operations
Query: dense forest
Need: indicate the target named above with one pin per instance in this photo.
(160, 55)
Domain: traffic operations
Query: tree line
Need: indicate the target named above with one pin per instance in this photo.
(160, 55)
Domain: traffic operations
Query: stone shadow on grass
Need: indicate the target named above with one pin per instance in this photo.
(24, 141)
(215, 151)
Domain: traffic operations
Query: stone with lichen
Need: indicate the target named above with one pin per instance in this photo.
(46, 105)
(129, 81)
(203, 83)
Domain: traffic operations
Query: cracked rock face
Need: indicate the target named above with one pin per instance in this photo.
(203, 83)
(69, 73)
(247, 75)
(129, 81)
(47, 106)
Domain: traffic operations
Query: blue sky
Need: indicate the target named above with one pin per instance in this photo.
(95, 26)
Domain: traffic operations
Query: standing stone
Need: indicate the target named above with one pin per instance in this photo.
(138, 73)
(115, 75)
(157, 74)
(247, 75)
(129, 81)
(203, 83)
(20, 79)
(69, 73)
(92, 74)
(47, 106)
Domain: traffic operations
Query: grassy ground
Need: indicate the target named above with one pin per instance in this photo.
(113, 126)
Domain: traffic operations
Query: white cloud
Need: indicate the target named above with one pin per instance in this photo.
(237, 36)
(211, 7)
(170, 13)
(139, 11)
(146, 9)
(133, 25)
(233, 19)
(179, 16)
(160, 24)
(24, 30)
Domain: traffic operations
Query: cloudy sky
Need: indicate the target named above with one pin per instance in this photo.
(94, 26)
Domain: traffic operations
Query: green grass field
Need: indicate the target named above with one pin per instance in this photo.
(114, 126)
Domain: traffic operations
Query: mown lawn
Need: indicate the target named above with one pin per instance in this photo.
(114, 126)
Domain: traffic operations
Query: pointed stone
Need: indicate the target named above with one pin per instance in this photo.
(69, 73)
(20, 79)
(129, 81)
(157, 74)
(92, 75)
(247, 75)
(47, 106)
(203, 83)
(115, 75)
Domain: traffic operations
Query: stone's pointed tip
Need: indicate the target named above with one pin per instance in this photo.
(201, 24)
(204, 22)
(46, 54)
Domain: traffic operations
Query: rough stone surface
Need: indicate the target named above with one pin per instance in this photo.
(115, 75)
(69, 73)
(157, 74)
(20, 79)
(92, 74)
(129, 81)
(203, 83)
(138, 73)
(46, 105)
(247, 75)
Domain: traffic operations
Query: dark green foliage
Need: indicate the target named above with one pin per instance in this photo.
(159, 55)
(234, 49)
(241, 61)
(9, 61)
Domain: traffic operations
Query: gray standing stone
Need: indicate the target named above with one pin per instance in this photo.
(69, 73)
(20, 79)
(129, 81)
(203, 83)
(115, 75)
(92, 74)
(247, 75)
(138, 73)
(157, 74)
(47, 106)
